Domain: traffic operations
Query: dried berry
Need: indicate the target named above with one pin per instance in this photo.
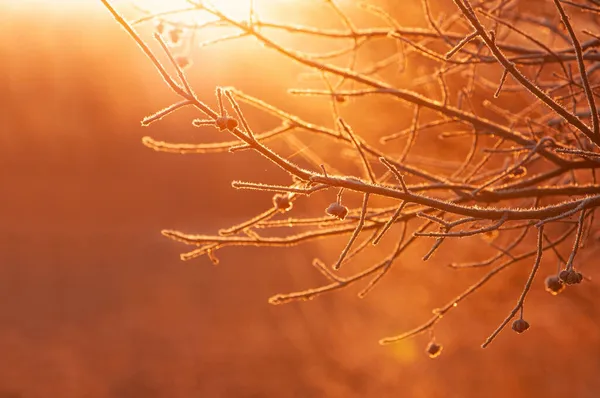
(175, 35)
(490, 236)
(160, 27)
(231, 123)
(570, 276)
(433, 349)
(554, 285)
(577, 277)
(339, 98)
(282, 202)
(519, 172)
(183, 61)
(520, 325)
(226, 123)
(221, 123)
(337, 210)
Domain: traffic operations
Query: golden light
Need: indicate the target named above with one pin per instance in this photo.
(234, 9)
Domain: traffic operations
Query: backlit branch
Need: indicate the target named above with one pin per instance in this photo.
(466, 165)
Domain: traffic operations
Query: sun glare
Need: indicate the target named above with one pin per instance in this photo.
(235, 9)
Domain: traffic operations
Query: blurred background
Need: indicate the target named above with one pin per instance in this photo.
(94, 302)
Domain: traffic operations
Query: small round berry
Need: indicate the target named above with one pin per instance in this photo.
(231, 123)
(433, 349)
(226, 123)
(339, 98)
(520, 325)
(519, 172)
(175, 35)
(282, 202)
(221, 123)
(337, 210)
(554, 285)
(577, 277)
(160, 27)
(570, 277)
(183, 61)
(490, 236)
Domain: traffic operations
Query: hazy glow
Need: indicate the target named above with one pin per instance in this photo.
(236, 9)
(233, 8)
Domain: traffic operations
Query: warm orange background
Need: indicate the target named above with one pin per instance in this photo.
(94, 302)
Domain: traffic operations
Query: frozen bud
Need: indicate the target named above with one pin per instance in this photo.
(282, 202)
(337, 210)
(570, 276)
(554, 285)
(433, 349)
(520, 325)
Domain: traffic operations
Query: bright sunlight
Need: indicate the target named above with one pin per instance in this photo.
(181, 9)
